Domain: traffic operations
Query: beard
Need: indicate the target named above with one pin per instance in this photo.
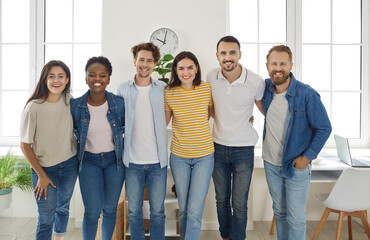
(279, 80)
(232, 67)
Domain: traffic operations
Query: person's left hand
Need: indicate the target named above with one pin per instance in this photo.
(301, 162)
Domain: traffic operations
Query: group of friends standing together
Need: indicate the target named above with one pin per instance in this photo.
(63, 138)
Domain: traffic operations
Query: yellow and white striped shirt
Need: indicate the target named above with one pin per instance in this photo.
(191, 132)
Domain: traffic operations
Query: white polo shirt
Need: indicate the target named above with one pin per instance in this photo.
(234, 106)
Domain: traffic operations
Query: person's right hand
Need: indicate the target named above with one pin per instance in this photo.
(42, 187)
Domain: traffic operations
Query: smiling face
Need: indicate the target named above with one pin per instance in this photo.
(279, 66)
(97, 78)
(56, 82)
(228, 55)
(144, 63)
(186, 71)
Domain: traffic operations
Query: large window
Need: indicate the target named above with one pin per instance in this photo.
(34, 32)
(330, 44)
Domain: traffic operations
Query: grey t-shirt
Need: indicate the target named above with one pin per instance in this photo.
(48, 127)
(272, 148)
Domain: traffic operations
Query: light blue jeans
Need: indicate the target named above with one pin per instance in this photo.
(232, 176)
(155, 179)
(54, 210)
(192, 177)
(101, 184)
(289, 196)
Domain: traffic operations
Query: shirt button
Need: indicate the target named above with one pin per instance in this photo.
(114, 125)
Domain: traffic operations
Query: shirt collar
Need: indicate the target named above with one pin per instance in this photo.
(240, 80)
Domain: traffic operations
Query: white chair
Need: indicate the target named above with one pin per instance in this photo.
(349, 197)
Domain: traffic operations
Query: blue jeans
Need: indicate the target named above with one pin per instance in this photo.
(289, 196)
(192, 177)
(55, 209)
(101, 185)
(155, 179)
(232, 177)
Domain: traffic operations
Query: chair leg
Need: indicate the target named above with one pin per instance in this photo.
(272, 225)
(365, 223)
(340, 223)
(349, 227)
(321, 223)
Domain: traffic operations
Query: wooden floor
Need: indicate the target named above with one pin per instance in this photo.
(24, 229)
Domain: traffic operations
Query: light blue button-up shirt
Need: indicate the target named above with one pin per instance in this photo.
(129, 92)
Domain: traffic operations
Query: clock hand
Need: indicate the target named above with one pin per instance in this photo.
(160, 40)
(165, 36)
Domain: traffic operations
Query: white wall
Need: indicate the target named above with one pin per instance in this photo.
(198, 24)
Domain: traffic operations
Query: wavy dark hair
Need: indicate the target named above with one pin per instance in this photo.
(41, 90)
(174, 79)
(101, 60)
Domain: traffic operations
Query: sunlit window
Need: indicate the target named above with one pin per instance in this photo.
(327, 40)
(70, 34)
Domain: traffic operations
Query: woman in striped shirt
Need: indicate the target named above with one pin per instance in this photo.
(187, 100)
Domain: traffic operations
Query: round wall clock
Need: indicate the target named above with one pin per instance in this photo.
(166, 40)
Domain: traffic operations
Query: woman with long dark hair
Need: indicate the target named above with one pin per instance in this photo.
(187, 100)
(48, 143)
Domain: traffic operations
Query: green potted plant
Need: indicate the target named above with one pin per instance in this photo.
(13, 173)
(164, 66)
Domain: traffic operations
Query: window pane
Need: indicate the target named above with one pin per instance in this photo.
(316, 77)
(249, 56)
(272, 20)
(11, 115)
(82, 52)
(346, 114)
(325, 99)
(58, 20)
(316, 21)
(15, 21)
(62, 52)
(15, 69)
(346, 67)
(264, 49)
(347, 21)
(86, 27)
(243, 20)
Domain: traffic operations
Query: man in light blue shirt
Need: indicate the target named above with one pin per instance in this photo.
(145, 143)
(296, 129)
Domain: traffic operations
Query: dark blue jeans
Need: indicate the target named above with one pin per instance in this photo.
(232, 176)
(155, 179)
(101, 184)
(55, 209)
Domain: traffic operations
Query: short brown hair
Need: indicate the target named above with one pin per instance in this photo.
(148, 46)
(280, 48)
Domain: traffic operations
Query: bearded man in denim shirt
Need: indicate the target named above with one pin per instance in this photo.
(296, 129)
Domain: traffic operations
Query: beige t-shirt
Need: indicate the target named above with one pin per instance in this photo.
(48, 127)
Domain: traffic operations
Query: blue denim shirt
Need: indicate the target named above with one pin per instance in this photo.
(129, 92)
(81, 120)
(307, 123)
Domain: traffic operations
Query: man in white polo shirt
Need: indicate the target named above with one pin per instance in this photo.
(235, 90)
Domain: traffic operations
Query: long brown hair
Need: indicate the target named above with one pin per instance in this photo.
(174, 79)
(41, 90)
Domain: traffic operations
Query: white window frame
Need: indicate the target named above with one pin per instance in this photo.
(37, 59)
(294, 41)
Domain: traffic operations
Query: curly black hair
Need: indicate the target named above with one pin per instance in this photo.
(101, 60)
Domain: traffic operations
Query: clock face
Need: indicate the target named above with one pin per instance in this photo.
(166, 40)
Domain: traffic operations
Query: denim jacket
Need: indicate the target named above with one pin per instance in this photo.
(307, 123)
(129, 92)
(81, 120)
